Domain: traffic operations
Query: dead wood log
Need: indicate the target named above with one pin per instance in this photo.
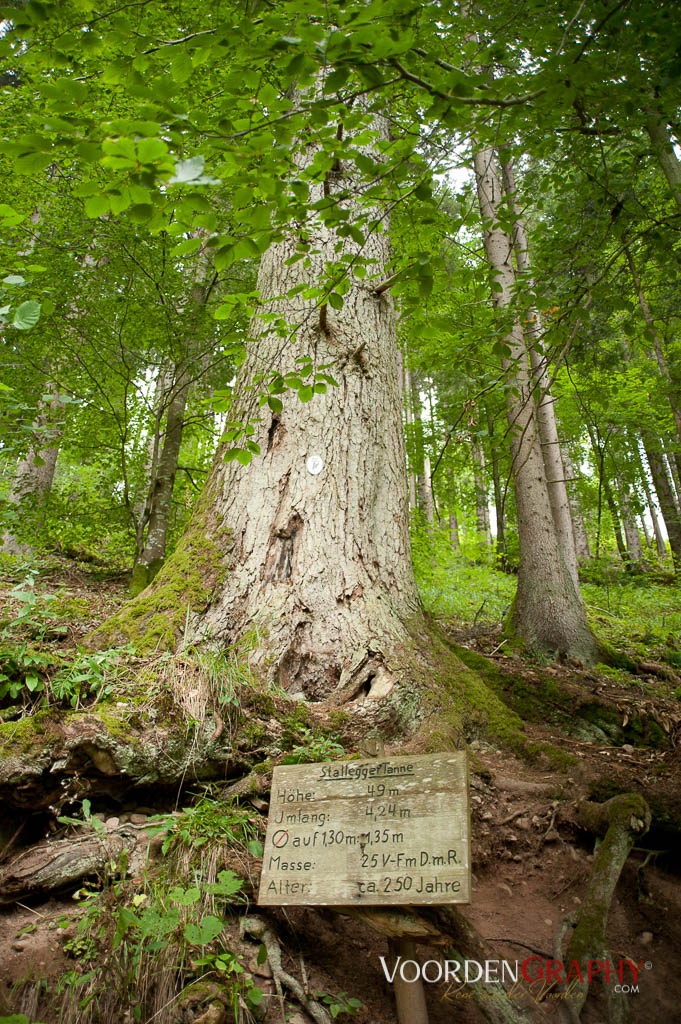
(58, 864)
(622, 821)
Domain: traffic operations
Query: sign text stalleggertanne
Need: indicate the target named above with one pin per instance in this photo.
(386, 831)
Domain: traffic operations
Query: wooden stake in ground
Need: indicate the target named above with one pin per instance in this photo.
(410, 996)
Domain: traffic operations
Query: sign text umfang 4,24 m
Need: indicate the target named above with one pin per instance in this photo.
(391, 830)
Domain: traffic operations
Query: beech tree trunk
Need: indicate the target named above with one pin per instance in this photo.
(548, 613)
(546, 416)
(317, 525)
(34, 473)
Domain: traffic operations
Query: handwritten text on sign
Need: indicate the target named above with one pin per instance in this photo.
(390, 830)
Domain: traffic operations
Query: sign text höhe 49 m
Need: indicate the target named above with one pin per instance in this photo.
(390, 831)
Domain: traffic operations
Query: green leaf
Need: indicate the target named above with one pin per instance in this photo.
(151, 151)
(254, 847)
(262, 954)
(275, 404)
(27, 315)
(203, 933)
(305, 393)
(97, 206)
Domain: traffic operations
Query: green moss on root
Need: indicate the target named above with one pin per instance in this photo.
(155, 619)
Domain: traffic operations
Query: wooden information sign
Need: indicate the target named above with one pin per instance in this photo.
(390, 830)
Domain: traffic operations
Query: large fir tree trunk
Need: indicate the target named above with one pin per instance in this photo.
(548, 613)
(307, 547)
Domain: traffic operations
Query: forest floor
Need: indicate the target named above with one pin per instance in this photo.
(617, 731)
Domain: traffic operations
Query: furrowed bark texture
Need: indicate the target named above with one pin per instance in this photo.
(549, 614)
(320, 563)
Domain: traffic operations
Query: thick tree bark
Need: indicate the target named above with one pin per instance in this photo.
(318, 523)
(34, 473)
(548, 614)
(546, 416)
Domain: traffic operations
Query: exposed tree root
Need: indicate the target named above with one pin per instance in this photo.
(258, 929)
(622, 821)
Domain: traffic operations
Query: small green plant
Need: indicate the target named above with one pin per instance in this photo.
(314, 748)
(17, 1018)
(210, 819)
(342, 1003)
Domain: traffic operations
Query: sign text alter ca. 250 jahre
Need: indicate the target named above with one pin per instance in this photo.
(392, 830)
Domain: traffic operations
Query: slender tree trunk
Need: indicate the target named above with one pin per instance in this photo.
(406, 401)
(582, 547)
(671, 458)
(548, 613)
(660, 358)
(454, 542)
(160, 502)
(142, 507)
(631, 535)
(646, 533)
(480, 485)
(664, 152)
(665, 496)
(498, 496)
(660, 544)
(34, 473)
(546, 416)
(160, 499)
(427, 493)
(419, 442)
(615, 516)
